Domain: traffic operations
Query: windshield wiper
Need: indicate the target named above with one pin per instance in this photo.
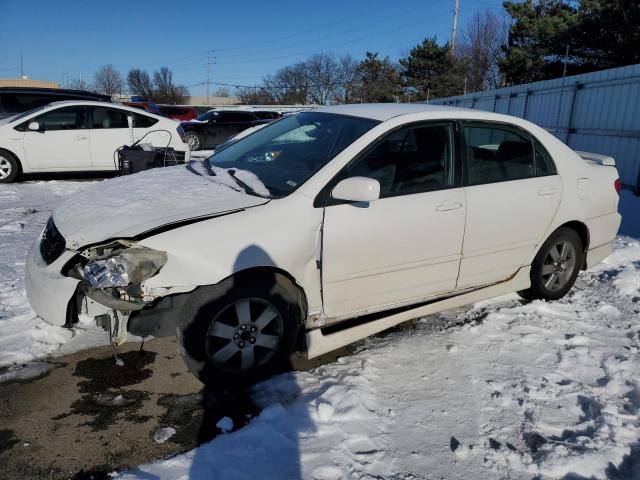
(247, 188)
(207, 165)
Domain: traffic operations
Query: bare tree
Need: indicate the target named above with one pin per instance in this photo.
(222, 92)
(255, 96)
(140, 83)
(290, 85)
(165, 90)
(78, 84)
(348, 69)
(108, 80)
(479, 49)
(323, 73)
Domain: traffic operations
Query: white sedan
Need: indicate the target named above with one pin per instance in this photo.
(325, 227)
(76, 136)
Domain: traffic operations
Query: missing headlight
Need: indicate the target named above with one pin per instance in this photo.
(120, 268)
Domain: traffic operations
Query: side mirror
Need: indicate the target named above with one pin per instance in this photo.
(34, 126)
(357, 189)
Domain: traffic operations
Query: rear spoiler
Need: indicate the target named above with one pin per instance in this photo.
(597, 158)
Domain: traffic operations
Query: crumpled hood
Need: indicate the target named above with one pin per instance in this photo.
(132, 205)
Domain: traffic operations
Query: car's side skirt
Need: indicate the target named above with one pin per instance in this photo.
(319, 343)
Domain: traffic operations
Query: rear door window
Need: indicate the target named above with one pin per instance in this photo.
(498, 154)
(103, 118)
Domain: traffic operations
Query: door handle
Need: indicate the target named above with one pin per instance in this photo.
(444, 207)
(547, 191)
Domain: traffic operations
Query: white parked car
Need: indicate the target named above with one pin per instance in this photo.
(75, 136)
(325, 227)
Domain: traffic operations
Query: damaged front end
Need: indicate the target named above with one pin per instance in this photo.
(111, 278)
(111, 290)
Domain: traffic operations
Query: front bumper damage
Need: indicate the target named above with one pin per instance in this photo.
(59, 297)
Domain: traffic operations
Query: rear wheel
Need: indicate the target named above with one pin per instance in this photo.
(9, 167)
(556, 267)
(234, 334)
(194, 140)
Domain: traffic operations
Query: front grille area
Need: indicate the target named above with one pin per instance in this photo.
(52, 243)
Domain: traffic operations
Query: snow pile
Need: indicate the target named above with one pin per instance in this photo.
(164, 434)
(24, 209)
(225, 424)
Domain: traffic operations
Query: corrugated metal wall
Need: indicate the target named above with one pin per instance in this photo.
(596, 112)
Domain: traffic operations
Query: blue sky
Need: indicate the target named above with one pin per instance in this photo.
(67, 38)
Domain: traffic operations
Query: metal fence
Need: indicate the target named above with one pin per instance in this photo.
(596, 112)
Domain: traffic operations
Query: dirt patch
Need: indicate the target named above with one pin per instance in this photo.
(103, 373)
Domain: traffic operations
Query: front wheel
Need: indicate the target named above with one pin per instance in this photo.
(235, 334)
(9, 167)
(194, 140)
(556, 266)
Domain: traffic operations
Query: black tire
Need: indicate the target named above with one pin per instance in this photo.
(211, 316)
(194, 140)
(554, 270)
(9, 167)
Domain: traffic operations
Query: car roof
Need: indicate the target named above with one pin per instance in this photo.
(385, 111)
(97, 103)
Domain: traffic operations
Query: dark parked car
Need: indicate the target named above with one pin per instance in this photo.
(266, 114)
(214, 127)
(15, 100)
(178, 112)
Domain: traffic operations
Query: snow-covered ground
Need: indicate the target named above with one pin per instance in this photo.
(24, 210)
(502, 389)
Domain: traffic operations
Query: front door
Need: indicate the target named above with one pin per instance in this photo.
(513, 193)
(406, 246)
(62, 143)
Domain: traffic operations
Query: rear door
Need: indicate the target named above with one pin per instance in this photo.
(407, 245)
(110, 131)
(512, 193)
(62, 143)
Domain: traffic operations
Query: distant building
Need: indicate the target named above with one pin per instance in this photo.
(27, 82)
(213, 100)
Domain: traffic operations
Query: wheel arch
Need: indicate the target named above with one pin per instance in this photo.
(284, 278)
(583, 232)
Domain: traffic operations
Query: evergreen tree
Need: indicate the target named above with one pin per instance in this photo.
(432, 70)
(599, 34)
(376, 80)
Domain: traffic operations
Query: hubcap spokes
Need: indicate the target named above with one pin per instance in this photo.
(5, 167)
(558, 266)
(244, 335)
(193, 142)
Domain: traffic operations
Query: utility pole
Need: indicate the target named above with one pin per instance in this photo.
(21, 69)
(455, 27)
(208, 81)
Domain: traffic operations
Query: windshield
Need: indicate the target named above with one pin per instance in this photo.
(206, 116)
(286, 153)
(25, 114)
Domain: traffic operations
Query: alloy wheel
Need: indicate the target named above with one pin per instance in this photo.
(5, 168)
(558, 266)
(244, 335)
(193, 141)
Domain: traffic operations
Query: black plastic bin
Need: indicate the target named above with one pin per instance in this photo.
(136, 159)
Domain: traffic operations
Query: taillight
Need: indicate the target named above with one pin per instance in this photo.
(181, 133)
(617, 185)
